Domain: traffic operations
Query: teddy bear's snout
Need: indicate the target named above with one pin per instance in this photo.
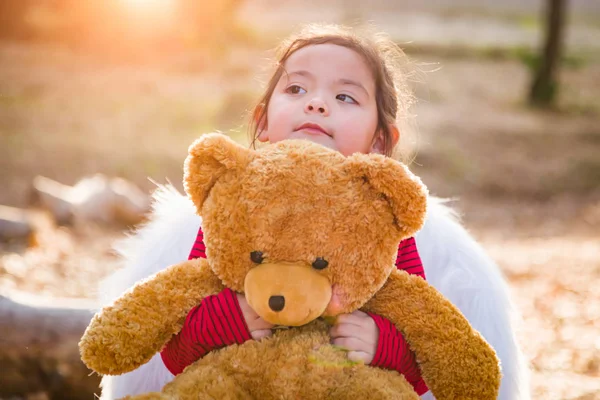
(286, 293)
(276, 303)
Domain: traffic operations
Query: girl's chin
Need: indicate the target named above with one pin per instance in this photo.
(323, 139)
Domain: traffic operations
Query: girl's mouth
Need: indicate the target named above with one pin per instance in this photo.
(313, 128)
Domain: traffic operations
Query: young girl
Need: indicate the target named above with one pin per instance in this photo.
(345, 92)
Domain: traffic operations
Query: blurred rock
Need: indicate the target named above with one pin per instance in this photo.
(96, 198)
(14, 223)
(38, 348)
(53, 197)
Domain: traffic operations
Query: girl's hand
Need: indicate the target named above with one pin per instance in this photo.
(358, 333)
(258, 327)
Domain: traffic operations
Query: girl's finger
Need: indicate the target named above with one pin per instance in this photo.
(359, 314)
(360, 356)
(350, 319)
(259, 324)
(352, 344)
(343, 330)
(261, 334)
(352, 331)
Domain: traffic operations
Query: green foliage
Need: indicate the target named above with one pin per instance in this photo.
(528, 22)
(531, 58)
(526, 55)
(544, 94)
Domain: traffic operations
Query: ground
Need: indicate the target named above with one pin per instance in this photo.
(527, 182)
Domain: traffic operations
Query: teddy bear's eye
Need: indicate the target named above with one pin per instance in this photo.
(320, 263)
(256, 257)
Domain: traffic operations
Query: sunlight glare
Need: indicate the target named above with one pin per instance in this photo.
(151, 14)
(150, 6)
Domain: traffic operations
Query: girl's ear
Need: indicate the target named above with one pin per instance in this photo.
(378, 145)
(405, 193)
(209, 158)
(260, 119)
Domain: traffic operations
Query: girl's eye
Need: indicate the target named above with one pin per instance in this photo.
(295, 89)
(346, 99)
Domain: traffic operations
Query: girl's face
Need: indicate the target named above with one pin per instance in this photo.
(327, 96)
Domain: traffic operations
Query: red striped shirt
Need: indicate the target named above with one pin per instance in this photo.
(218, 322)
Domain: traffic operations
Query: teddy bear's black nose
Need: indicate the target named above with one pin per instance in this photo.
(276, 303)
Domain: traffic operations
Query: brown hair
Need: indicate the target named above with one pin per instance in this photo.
(385, 60)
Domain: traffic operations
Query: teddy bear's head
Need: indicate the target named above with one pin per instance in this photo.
(293, 223)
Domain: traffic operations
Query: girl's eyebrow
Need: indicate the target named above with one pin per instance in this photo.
(353, 83)
(301, 73)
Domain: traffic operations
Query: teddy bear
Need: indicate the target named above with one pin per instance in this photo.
(287, 225)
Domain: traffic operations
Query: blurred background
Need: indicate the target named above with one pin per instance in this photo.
(98, 96)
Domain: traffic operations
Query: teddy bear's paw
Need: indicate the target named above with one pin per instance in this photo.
(369, 383)
(205, 382)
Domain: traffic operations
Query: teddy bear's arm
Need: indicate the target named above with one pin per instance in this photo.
(125, 335)
(455, 360)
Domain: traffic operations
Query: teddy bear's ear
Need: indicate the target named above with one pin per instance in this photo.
(209, 157)
(404, 191)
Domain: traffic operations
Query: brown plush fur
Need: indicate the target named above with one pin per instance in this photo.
(296, 201)
(294, 364)
(128, 333)
(455, 360)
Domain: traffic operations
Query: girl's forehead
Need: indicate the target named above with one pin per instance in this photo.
(330, 60)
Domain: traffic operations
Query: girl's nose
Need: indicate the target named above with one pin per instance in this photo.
(317, 106)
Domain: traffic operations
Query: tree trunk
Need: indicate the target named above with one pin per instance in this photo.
(544, 87)
(39, 352)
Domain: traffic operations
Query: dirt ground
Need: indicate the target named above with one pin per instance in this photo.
(526, 182)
